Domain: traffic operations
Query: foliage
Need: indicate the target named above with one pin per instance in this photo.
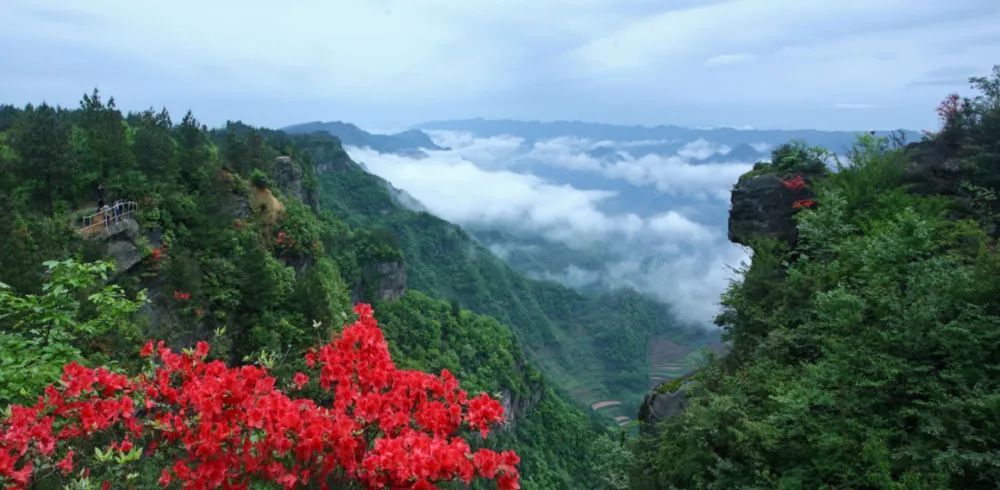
(794, 159)
(40, 138)
(259, 179)
(225, 426)
(74, 314)
(265, 287)
(556, 325)
(865, 357)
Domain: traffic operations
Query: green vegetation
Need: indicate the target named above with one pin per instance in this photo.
(594, 346)
(867, 357)
(556, 441)
(233, 248)
(73, 319)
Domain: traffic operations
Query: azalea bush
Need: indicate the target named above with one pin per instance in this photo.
(216, 426)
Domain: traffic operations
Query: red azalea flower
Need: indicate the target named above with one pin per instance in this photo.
(164, 480)
(803, 203)
(794, 183)
(66, 464)
(387, 427)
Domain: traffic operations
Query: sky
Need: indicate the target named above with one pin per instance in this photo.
(387, 64)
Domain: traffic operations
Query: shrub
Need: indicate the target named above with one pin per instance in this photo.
(222, 426)
(259, 179)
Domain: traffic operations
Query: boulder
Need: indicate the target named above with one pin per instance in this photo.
(288, 177)
(382, 280)
(124, 253)
(660, 405)
(763, 207)
(120, 244)
(390, 280)
(515, 406)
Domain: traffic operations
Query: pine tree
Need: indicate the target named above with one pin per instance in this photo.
(41, 140)
(153, 146)
(103, 152)
(193, 153)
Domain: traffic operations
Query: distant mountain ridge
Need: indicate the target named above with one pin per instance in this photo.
(655, 135)
(410, 143)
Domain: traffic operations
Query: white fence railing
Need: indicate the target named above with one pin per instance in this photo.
(108, 219)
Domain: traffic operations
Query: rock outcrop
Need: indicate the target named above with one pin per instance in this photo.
(288, 178)
(763, 205)
(121, 247)
(515, 406)
(661, 404)
(390, 280)
(382, 280)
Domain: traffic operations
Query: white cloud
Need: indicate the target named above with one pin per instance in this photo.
(567, 152)
(701, 149)
(670, 253)
(677, 176)
(459, 191)
(673, 225)
(491, 152)
(573, 276)
(393, 62)
(692, 282)
(729, 59)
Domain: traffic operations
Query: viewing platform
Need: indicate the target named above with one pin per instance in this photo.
(108, 221)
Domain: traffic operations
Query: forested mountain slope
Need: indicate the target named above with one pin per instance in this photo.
(594, 346)
(865, 334)
(230, 245)
(411, 142)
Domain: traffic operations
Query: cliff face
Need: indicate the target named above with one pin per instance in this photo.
(288, 177)
(660, 405)
(387, 280)
(763, 205)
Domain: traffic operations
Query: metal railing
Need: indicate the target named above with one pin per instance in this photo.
(109, 219)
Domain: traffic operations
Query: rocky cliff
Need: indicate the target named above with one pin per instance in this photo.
(666, 401)
(763, 204)
(289, 178)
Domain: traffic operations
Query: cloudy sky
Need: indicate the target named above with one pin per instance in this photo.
(844, 64)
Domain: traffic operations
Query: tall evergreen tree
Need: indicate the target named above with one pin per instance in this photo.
(153, 146)
(193, 152)
(41, 140)
(103, 151)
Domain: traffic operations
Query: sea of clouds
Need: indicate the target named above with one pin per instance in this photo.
(657, 218)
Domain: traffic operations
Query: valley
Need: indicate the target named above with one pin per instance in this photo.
(559, 245)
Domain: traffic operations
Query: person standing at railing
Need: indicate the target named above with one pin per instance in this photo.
(100, 197)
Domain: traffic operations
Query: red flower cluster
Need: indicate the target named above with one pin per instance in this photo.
(794, 184)
(804, 203)
(228, 427)
(284, 240)
(181, 295)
